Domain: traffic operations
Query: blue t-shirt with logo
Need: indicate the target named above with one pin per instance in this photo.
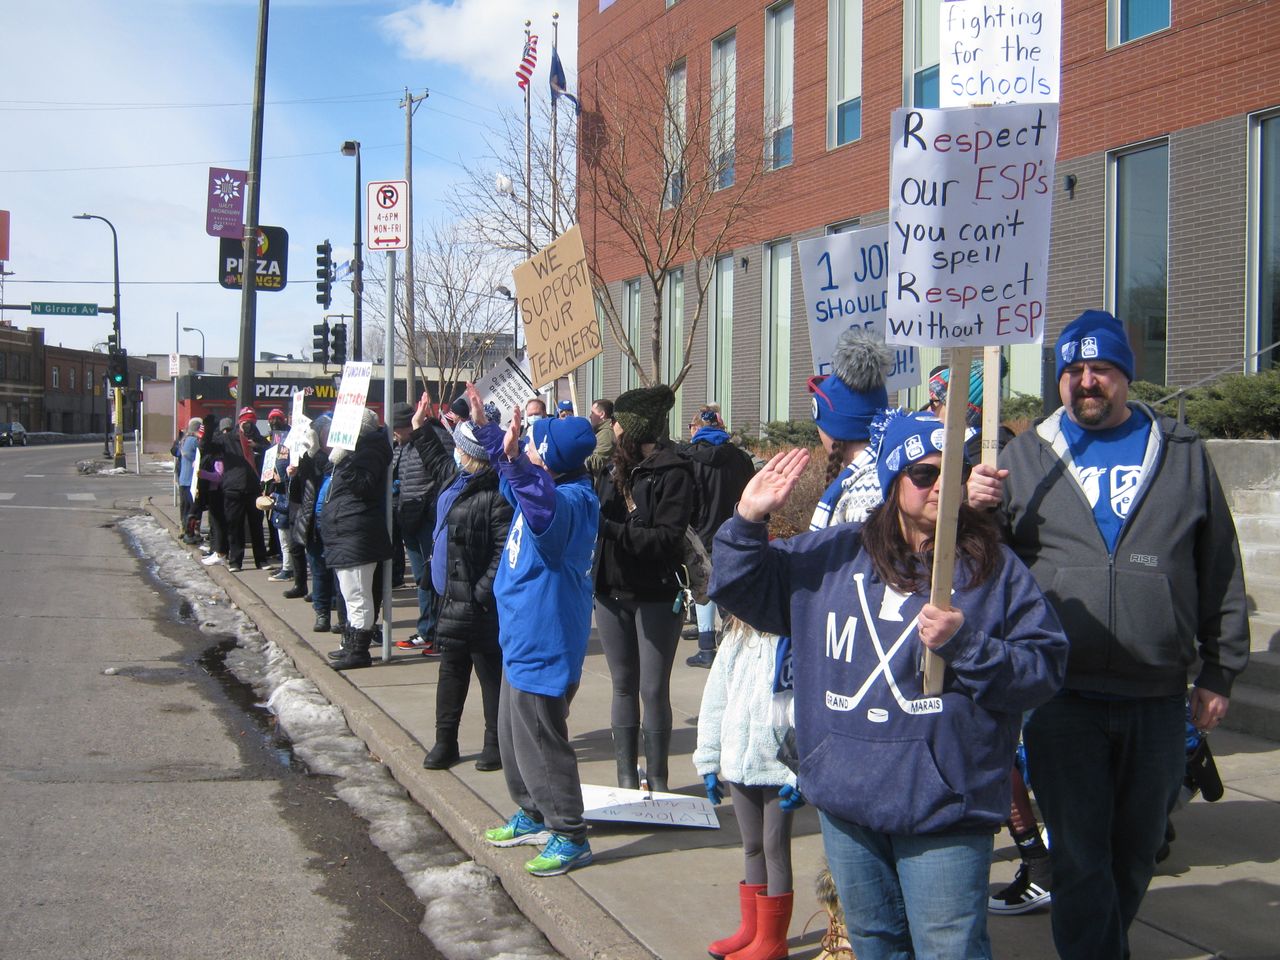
(1108, 466)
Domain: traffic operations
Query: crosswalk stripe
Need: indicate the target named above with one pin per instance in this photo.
(6, 496)
(81, 496)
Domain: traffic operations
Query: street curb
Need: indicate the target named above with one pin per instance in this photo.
(574, 922)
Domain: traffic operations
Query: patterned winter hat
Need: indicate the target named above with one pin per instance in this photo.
(643, 412)
(846, 400)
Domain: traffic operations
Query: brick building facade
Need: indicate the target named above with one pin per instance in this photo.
(1166, 201)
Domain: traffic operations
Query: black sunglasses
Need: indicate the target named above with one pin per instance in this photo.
(925, 475)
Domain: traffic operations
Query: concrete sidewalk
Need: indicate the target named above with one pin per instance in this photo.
(669, 892)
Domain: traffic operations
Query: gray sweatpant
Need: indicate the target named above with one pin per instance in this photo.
(538, 760)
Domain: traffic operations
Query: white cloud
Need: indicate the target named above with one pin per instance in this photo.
(484, 38)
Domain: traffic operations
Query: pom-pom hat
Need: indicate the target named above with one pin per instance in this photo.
(847, 400)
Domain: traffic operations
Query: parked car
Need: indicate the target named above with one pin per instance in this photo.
(12, 434)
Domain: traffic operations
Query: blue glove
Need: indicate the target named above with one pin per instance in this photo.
(790, 797)
(715, 792)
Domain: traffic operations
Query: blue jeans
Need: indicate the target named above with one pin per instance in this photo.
(324, 584)
(906, 897)
(1106, 774)
(418, 546)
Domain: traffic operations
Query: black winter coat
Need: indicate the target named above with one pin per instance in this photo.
(238, 474)
(419, 487)
(638, 552)
(353, 520)
(720, 473)
(475, 533)
(309, 475)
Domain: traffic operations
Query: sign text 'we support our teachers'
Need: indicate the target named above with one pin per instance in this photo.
(969, 212)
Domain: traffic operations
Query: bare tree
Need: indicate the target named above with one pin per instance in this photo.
(670, 173)
(458, 319)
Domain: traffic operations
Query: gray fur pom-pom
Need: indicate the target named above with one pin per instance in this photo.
(862, 360)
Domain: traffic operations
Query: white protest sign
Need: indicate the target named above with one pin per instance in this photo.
(269, 463)
(349, 410)
(296, 412)
(620, 805)
(845, 279)
(296, 440)
(507, 385)
(969, 211)
(195, 472)
(558, 308)
(992, 52)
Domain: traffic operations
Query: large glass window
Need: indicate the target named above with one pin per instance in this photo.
(673, 352)
(724, 94)
(920, 26)
(720, 343)
(777, 399)
(844, 226)
(1268, 233)
(628, 378)
(1132, 19)
(779, 83)
(1141, 263)
(673, 153)
(844, 71)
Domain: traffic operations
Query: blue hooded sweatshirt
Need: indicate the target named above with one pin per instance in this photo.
(873, 749)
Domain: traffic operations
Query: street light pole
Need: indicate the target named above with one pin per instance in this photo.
(515, 318)
(118, 459)
(201, 332)
(351, 148)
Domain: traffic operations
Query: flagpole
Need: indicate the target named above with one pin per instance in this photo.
(554, 163)
(528, 161)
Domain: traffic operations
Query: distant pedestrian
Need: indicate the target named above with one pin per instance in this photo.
(601, 420)
(188, 446)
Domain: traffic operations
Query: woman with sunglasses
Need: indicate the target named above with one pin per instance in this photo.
(910, 788)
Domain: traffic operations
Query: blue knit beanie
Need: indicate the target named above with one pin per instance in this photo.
(1094, 335)
(564, 444)
(846, 401)
(908, 437)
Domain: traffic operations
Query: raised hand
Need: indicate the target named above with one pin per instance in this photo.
(770, 489)
(422, 411)
(477, 406)
(511, 442)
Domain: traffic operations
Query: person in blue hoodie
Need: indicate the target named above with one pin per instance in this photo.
(910, 788)
(544, 596)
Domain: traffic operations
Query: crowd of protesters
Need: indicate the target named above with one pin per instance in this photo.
(1080, 601)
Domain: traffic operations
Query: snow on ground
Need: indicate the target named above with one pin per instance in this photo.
(467, 914)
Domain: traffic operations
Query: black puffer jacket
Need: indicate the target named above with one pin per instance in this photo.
(309, 475)
(638, 552)
(475, 534)
(419, 488)
(353, 520)
(238, 474)
(720, 473)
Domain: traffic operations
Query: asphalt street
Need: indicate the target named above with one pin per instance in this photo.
(143, 811)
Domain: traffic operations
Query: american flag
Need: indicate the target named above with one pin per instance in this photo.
(530, 60)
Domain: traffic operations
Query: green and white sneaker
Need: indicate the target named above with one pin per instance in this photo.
(560, 855)
(517, 831)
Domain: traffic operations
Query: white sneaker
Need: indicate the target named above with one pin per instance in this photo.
(213, 559)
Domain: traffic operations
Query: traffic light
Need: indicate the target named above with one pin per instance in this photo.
(113, 342)
(320, 342)
(118, 368)
(338, 352)
(324, 274)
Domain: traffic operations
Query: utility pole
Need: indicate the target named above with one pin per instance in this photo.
(409, 103)
(252, 195)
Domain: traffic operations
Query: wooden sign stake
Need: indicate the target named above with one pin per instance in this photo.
(990, 405)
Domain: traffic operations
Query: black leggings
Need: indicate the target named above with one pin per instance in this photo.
(639, 640)
(766, 836)
(453, 684)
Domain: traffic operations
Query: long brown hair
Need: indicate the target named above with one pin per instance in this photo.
(626, 457)
(907, 570)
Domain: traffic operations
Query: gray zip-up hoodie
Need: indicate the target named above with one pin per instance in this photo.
(1133, 616)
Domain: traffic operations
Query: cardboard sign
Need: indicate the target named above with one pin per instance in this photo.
(992, 52)
(558, 309)
(969, 213)
(620, 805)
(507, 385)
(845, 280)
(349, 411)
(269, 463)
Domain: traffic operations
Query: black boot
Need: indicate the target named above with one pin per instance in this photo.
(444, 754)
(490, 756)
(322, 623)
(657, 745)
(357, 650)
(626, 744)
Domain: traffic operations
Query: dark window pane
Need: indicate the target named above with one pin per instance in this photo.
(849, 121)
(1142, 256)
(1269, 242)
(1140, 17)
(782, 147)
(926, 87)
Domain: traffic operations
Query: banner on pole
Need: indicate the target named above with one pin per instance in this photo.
(969, 212)
(991, 52)
(349, 410)
(845, 280)
(558, 309)
(507, 385)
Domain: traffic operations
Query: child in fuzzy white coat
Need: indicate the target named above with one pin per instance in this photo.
(739, 734)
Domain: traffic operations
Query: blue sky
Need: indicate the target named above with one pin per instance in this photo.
(119, 107)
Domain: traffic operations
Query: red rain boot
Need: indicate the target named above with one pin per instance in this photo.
(773, 917)
(747, 928)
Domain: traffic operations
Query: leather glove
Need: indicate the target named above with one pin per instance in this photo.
(715, 790)
(790, 797)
